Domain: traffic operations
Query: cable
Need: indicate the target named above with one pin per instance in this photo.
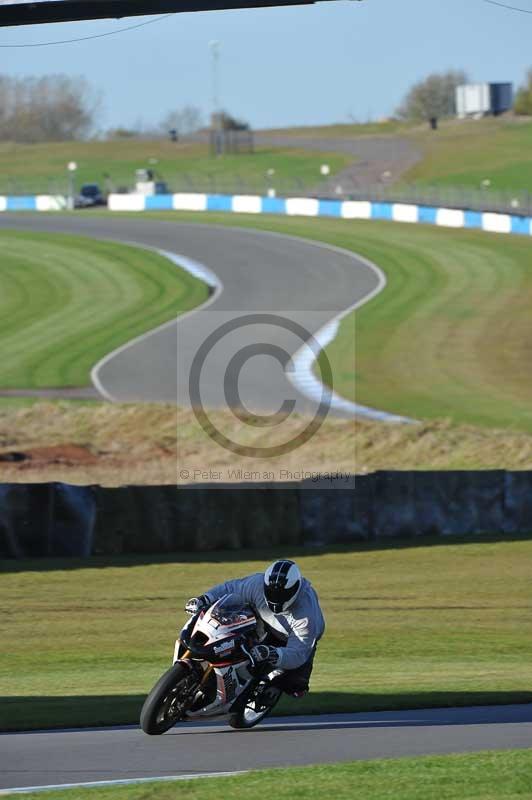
(508, 8)
(94, 36)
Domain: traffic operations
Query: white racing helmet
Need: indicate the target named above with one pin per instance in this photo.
(282, 583)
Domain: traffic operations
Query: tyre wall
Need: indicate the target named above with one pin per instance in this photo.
(59, 520)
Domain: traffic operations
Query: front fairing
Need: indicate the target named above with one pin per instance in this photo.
(215, 642)
(223, 633)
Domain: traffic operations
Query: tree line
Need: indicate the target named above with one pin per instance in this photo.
(56, 108)
(45, 109)
(61, 108)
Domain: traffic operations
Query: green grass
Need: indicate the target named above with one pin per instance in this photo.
(42, 167)
(505, 775)
(67, 301)
(469, 152)
(465, 295)
(461, 153)
(347, 130)
(408, 625)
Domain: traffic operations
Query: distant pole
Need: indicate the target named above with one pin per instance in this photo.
(214, 46)
(216, 123)
(72, 167)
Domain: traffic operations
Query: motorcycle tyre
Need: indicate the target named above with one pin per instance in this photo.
(152, 705)
(239, 722)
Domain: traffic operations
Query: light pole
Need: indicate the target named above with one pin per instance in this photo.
(216, 123)
(72, 167)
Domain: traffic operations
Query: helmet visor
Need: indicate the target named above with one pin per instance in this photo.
(278, 598)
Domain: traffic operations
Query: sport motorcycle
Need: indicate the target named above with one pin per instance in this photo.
(214, 673)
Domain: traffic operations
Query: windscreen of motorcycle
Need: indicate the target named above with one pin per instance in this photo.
(231, 611)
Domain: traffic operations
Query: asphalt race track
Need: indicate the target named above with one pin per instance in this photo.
(50, 758)
(261, 273)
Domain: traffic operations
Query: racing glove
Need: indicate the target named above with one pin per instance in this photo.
(196, 604)
(262, 654)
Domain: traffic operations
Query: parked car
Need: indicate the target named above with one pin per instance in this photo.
(90, 195)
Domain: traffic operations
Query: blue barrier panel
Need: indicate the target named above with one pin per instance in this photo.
(330, 208)
(381, 211)
(159, 202)
(21, 204)
(219, 202)
(472, 219)
(521, 225)
(273, 205)
(427, 215)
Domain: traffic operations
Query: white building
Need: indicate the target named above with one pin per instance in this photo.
(483, 99)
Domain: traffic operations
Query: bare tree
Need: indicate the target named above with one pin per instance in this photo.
(186, 120)
(50, 108)
(432, 97)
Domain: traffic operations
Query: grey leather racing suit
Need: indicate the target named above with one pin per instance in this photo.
(298, 629)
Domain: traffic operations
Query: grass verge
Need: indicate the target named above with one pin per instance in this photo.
(465, 296)
(505, 775)
(466, 153)
(117, 445)
(67, 301)
(41, 167)
(83, 642)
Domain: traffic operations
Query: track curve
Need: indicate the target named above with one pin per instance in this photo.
(261, 273)
(66, 757)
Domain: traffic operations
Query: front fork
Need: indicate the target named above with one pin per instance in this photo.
(182, 654)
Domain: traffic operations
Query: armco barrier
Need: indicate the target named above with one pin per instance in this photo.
(45, 520)
(311, 207)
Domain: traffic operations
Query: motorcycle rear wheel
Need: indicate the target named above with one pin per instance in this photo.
(159, 712)
(254, 710)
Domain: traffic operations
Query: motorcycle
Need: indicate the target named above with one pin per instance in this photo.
(214, 673)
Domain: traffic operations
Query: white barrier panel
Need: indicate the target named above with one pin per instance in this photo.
(497, 223)
(450, 218)
(189, 202)
(302, 207)
(3, 203)
(247, 204)
(356, 209)
(48, 202)
(405, 213)
(126, 202)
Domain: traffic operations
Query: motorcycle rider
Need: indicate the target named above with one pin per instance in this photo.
(288, 606)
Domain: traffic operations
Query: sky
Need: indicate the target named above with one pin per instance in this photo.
(302, 65)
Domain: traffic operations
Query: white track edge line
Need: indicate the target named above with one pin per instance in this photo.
(120, 782)
(194, 268)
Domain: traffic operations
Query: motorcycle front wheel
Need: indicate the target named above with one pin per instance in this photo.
(167, 701)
